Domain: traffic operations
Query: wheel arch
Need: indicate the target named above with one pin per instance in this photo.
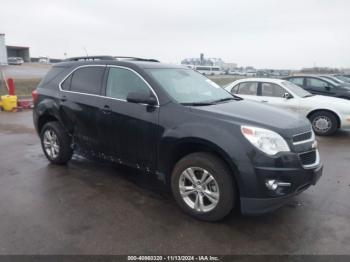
(45, 118)
(191, 145)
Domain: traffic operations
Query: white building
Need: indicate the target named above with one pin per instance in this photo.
(213, 61)
(3, 51)
(229, 66)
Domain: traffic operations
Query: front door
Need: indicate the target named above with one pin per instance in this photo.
(129, 131)
(275, 95)
(320, 87)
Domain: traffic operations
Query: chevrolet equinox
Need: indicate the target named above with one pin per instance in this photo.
(213, 150)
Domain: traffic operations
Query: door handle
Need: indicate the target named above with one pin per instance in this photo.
(264, 101)
(106, 110)
(63, 98)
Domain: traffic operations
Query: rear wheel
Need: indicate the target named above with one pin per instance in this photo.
(324, 123)
(203, 186)
(56, 143)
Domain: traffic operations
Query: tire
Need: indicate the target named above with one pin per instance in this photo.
(324, 123)
(60, 143)
(222, 188)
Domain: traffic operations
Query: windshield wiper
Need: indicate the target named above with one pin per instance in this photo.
(198, 104)
(225, 99)
(212, 102)
(309, 95)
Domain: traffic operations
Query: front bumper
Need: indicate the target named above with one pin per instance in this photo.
(345, 121)
(299, 179)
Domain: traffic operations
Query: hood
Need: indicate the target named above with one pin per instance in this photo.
(345, 86)
(245, 112)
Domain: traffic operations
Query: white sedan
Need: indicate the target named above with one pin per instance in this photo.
(326, 114)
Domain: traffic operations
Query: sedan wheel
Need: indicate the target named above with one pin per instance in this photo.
(322, 124)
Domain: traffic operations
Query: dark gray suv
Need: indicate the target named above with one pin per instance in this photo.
(215, 151)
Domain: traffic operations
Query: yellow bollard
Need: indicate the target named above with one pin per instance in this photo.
(9, 102)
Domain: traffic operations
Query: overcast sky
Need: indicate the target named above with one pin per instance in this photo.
(260, 33)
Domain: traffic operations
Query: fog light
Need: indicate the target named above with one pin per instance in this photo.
(274, 184)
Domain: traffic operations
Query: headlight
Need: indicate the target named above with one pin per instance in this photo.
(265, 140)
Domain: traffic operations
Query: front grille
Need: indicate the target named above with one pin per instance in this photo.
(302, 137)
(308, 158)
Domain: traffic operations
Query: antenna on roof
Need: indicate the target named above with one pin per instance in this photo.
(85, 51)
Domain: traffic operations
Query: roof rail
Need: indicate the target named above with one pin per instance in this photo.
(119, 58)
(86, 58)
(131, 58)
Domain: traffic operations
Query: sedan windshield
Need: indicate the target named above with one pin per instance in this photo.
(329, 80)
(343, 78)
(189, 87)
(297, 90)
(333, 79)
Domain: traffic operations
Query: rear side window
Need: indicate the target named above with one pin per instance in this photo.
(272, 90)
(248, 88)
(297, 80)
(87, 80)
(123, 81)
(66, 83)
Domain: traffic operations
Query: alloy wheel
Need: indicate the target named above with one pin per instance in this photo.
(199, 189)
(51, 144)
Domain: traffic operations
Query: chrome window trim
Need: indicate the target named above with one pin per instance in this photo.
(311, 139)
(123, 67)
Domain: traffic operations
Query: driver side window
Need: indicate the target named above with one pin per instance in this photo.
(122, 81)
(272, 90)
(316, 83)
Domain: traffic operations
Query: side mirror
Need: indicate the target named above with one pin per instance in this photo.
(141, 98)
(327, 88)
(287, 96)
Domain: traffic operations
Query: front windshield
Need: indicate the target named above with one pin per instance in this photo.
(343, 78)
(297, 90)
(330, 80)
(187, 86)
(337, 80)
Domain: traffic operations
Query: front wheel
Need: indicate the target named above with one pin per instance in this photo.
(324, 123)
(203, 186)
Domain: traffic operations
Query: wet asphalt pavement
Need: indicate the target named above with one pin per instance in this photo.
(92, 208)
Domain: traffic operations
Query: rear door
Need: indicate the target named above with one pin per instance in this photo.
(247, 90)
(129, 131)
(80, 105)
